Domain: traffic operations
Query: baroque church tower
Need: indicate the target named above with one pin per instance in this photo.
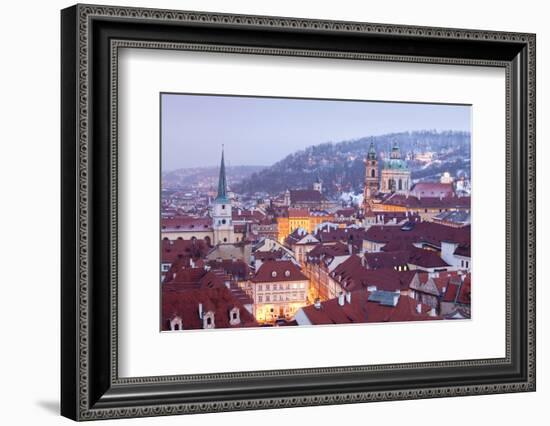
(371, 177)
(222, 224)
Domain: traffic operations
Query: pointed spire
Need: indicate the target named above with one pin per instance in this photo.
(372, 152)
(222, 182)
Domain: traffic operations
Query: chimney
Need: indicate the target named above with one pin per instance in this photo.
(419, 308)
(348, 296)
(200, 311)
(317, 304)
(341, 299)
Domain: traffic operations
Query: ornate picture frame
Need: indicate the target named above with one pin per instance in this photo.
(91, 37)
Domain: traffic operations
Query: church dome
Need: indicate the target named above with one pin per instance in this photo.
(395, 164)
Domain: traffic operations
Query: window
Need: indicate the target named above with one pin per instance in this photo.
(287, 273)
(260, 287)
(223, 206)
(267, 298)
(260, 299)
(234, 315)
(274, 274)
(225, 240)
(209, 321)
(223, 221)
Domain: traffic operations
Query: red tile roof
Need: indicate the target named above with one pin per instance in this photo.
(360, 310)
(387, 260)
(459, 290)
(413, 202)
(236, 268)
(188, 277)
(254, 216)
(185, 304)
(186, 223)
(348, 213)
(426, 258)
(328, 250)
(172, 250)
(284, 270)
(432, 189)
(429, 232)
(292, 212)
(352, 275)
(268, 255)
(305, 196)
(350, 234)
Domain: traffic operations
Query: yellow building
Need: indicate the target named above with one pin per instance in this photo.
(300, 218)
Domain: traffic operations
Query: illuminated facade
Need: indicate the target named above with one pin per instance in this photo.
(300, 218)
(279, 290)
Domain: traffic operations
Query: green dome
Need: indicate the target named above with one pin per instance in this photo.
(395, 164)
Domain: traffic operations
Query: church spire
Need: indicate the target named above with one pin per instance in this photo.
(222, 182)
(372, 152)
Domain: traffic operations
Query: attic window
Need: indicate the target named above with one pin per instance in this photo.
(274, 274)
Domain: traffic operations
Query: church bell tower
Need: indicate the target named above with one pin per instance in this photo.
(371, 177)
(222, 224)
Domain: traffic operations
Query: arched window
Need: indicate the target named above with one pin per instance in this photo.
(373, 173)
(400, 184)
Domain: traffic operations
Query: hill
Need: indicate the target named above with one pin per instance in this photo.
(340, 165)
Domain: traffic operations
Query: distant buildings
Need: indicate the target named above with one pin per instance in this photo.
(396, 176)
(394, 191)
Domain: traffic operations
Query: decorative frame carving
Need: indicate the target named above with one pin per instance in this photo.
(85, 396)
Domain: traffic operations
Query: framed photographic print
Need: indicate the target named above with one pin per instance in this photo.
(263, 212)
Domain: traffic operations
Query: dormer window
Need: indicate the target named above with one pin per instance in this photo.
(287, 274)
(274, 274)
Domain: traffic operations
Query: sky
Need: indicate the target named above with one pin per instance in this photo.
(262, 131)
